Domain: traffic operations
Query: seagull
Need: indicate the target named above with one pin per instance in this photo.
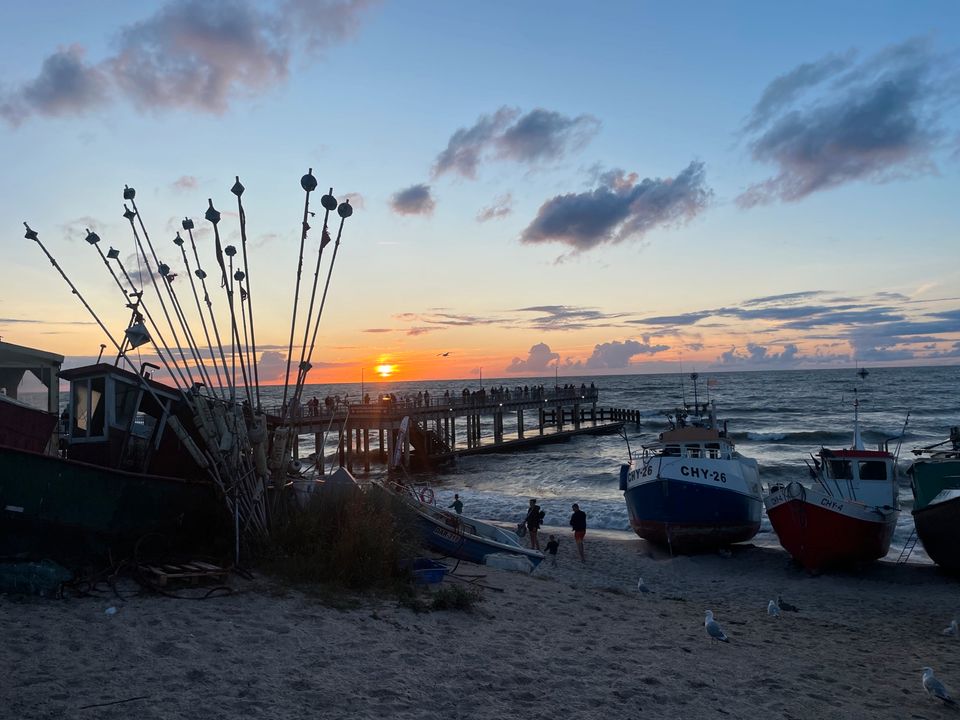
(785, 606)
(446, 354)
(952, 630)
(713, 629)
(642, 586)
(935, 688)
(773, 609)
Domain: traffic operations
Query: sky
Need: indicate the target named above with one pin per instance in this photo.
(536, 187)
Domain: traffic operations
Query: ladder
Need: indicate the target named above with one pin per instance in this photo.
(908, 547)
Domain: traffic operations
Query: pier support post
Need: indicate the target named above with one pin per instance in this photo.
(318, 448)
(366, 449)
(520, 423)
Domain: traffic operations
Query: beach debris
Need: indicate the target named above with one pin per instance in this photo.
(935, 688)
(110, 610)
(951, 630)
(773, 609)
(642, 586)
(785, 606)
(713, 629)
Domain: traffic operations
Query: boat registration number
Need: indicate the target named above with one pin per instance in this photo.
(696, 472)
(446, 534)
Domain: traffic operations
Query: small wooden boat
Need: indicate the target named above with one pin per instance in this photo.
(935, 481)
(845, 514)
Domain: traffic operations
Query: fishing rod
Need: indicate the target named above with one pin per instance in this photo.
(94, 240)
(130, 194)
(179, 242)
(130, 215)
(230, 251)
(187, 224)
(237, 190)
(309, 183)
(329, 203)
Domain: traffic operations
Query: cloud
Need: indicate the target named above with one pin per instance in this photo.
(619, 209)
(565, 317)
(420, 330)
(377, 330)
(272, 366)
(538, 360)
(184, 182)
(539, 136)
(831, 122)
(759, 355)
(195, 54)
(501, 207)
(617, 355)
(414, 200)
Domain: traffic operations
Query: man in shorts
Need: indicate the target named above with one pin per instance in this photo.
(578, 521)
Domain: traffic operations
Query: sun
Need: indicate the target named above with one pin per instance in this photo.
(385, 371)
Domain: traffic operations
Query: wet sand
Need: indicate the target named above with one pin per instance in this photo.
(575, 641)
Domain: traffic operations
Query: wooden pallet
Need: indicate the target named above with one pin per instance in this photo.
(193, 572)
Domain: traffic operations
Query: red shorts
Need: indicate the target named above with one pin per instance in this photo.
(578, 534)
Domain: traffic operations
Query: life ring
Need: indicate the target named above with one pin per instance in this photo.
(426, 496)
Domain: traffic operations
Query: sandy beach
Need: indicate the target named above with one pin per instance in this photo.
(577, 640)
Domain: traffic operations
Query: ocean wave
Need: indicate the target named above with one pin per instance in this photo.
(810, 437)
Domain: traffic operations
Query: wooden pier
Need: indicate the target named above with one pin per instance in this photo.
(443, 427)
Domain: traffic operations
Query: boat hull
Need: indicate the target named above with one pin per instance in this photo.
(71, 510)
(931, 477)
(690, 517)
(447, 534)
(821, 532)
(25, 428)
(938, 527)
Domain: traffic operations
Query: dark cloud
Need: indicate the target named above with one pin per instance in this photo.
(872, 121)
(377, 330)
(414, 200)
(420, 330)
(540, 136)
(501, 207)
(786, 297)
(564, 317)
(619, 209)
(691, 318)
(617, 355)
(538, 360)
(195, 54)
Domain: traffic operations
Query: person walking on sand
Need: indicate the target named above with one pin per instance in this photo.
(578, 521)
(551, 550)
(457, 504)
(532, 521)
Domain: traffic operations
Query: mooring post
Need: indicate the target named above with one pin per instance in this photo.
(520, 423)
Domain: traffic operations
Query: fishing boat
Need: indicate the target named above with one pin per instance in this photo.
(935, 482)
(24, 425)
(691, 490)
(845, 513)
(459, 536)
(191, 460)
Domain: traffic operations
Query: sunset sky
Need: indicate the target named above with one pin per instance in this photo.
(601, 188)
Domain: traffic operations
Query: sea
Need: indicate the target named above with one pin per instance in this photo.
(777, 417)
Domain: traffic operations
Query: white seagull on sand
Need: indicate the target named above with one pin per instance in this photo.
(935, 688)
(642, 586)
(952, 630)
(713, 629)
(773, 609)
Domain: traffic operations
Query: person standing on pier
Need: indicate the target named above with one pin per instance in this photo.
(578, 521)
(457, 504)
(533, 521)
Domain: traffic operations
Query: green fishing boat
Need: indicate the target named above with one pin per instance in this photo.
(935, 481)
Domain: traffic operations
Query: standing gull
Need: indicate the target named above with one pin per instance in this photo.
(935, 688)
(642, 586)
(773, 609)
(951, 630)
(713, 629)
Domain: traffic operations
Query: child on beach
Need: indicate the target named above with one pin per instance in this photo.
(551, 549)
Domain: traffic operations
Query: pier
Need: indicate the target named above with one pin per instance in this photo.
(443, 427)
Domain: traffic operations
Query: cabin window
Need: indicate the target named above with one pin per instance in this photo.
(713, 450)
(671, 451)
(125, 404)
(840, 469)
(693, 451)
(873, 470)
(89, 407)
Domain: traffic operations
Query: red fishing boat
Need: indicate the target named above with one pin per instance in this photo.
(845, 514)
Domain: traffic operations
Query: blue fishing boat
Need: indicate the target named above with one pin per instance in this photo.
(459, 536)
(691, 490)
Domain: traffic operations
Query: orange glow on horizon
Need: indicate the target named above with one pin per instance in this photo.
(385, 370)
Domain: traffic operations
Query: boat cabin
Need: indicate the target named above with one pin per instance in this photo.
(693, 442)
(866, 476)
(29, 398)
(114, 421)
